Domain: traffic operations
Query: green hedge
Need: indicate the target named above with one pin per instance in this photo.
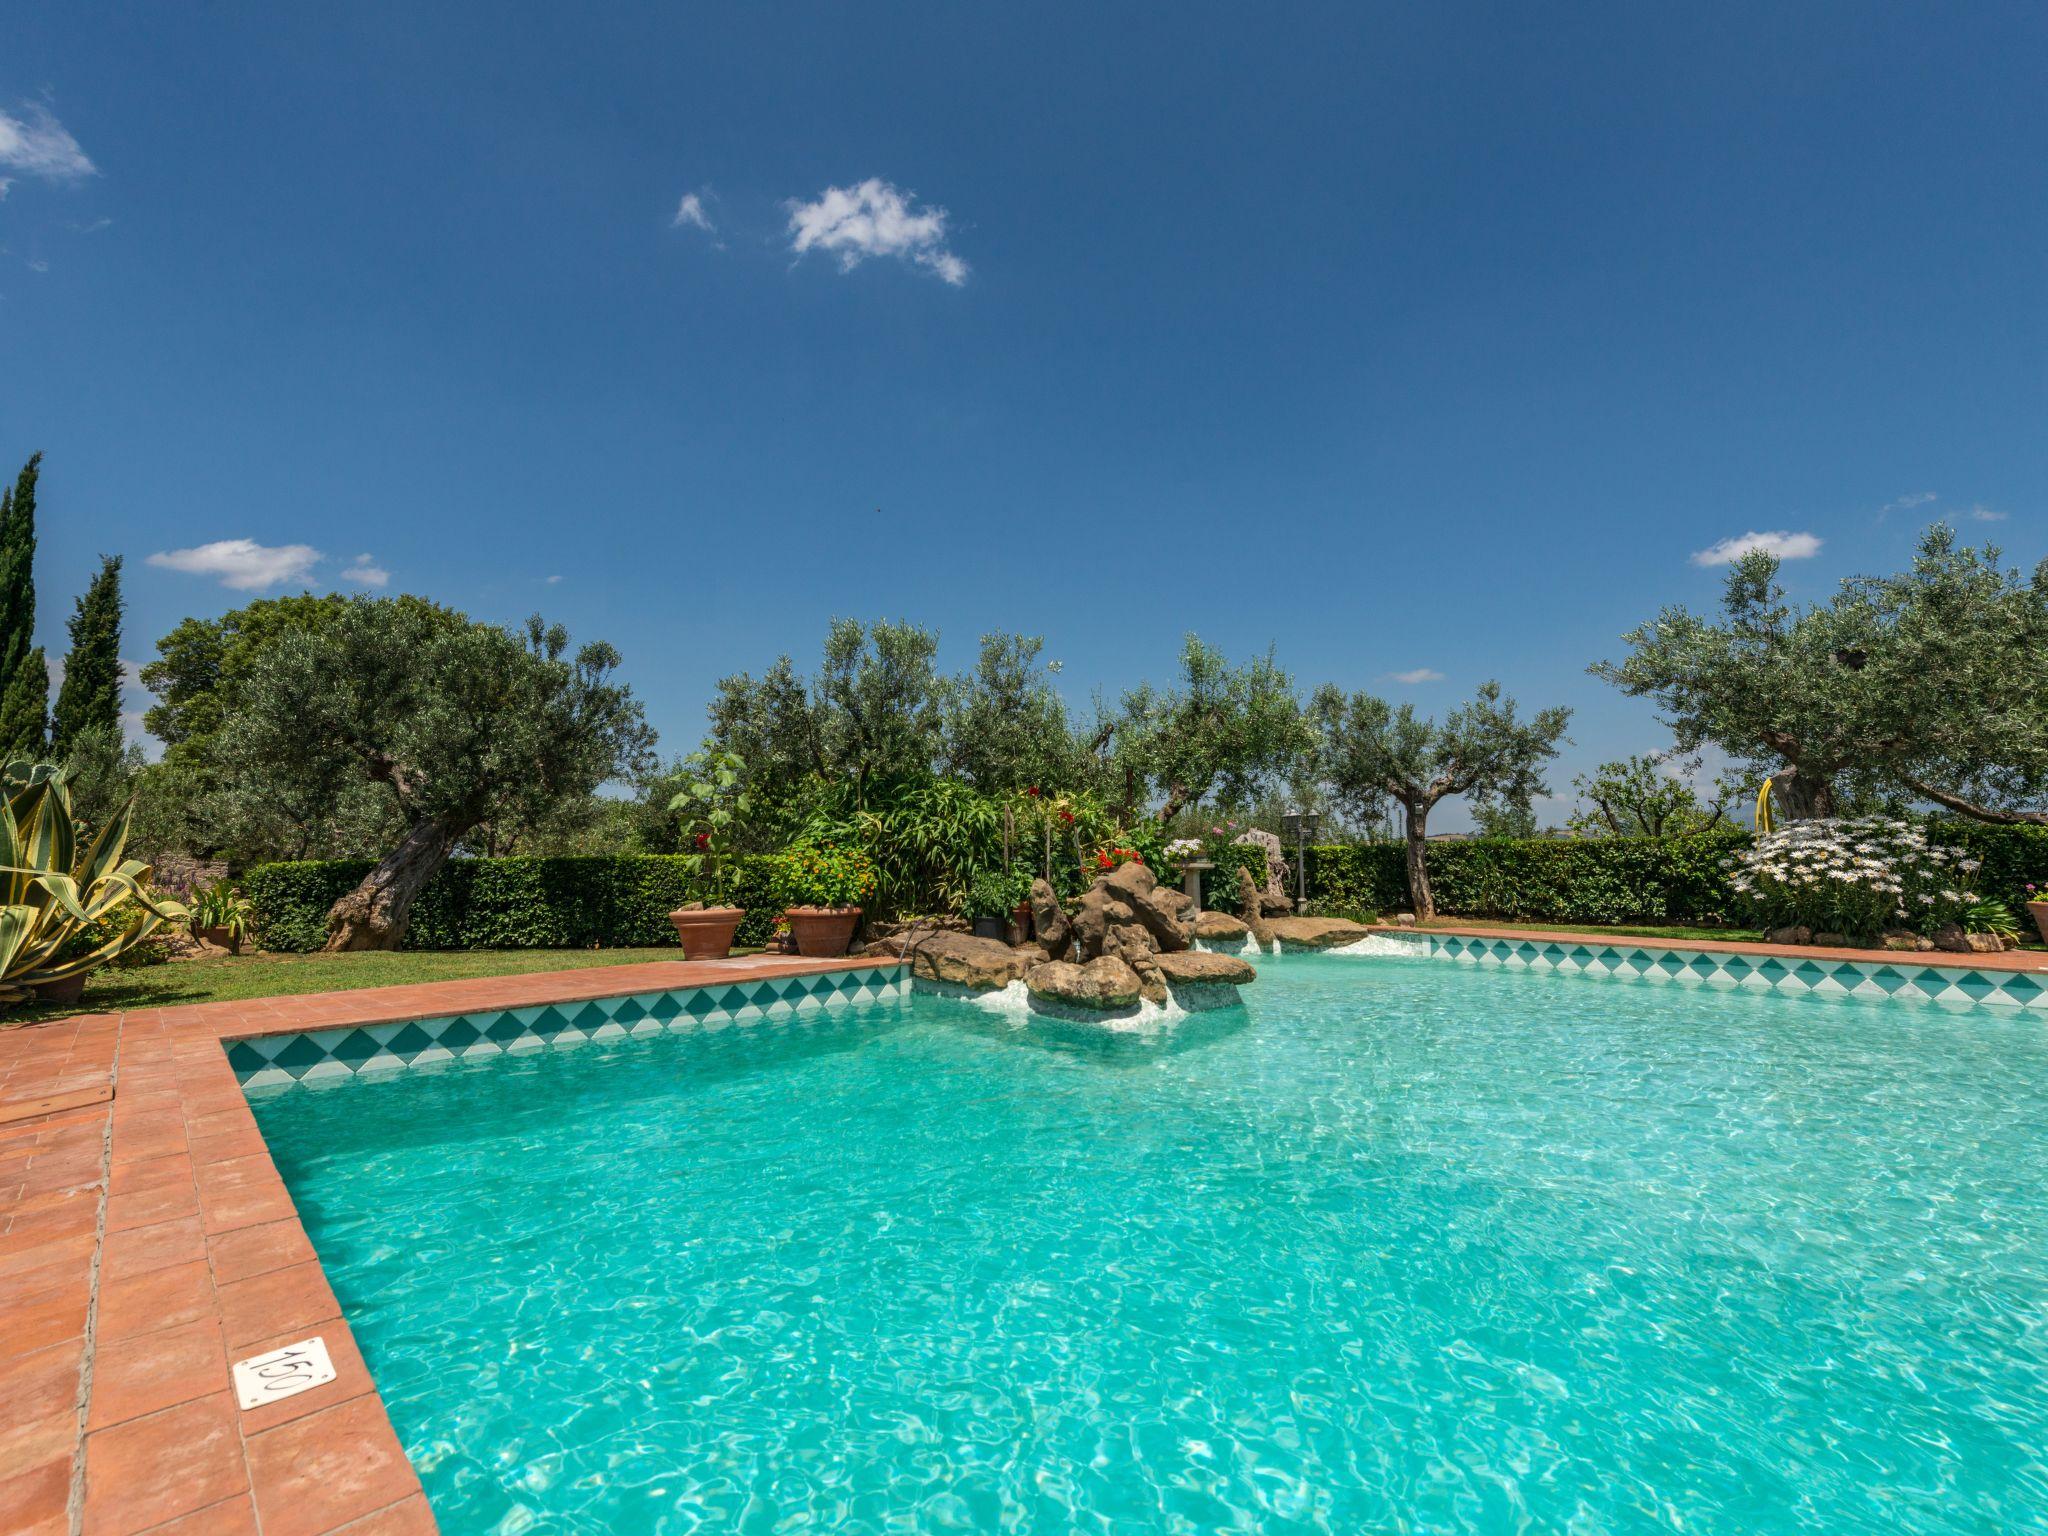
(618, 901)
(1621, 880)
(624, 900)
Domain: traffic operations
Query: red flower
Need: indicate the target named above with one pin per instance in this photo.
(1032, 791)
(1104, 860)
(703, 842)
(1067, 817)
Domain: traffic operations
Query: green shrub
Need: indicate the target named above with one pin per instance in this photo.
(1621, 880)
(611, 901)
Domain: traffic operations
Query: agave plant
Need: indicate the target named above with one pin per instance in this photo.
(59, 892)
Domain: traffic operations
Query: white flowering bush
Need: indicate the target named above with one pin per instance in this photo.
(1853, 875)
(1182, 849)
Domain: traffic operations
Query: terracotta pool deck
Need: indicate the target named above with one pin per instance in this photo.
(147, 1241)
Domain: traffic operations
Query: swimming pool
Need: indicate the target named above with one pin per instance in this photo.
(1397, 1245)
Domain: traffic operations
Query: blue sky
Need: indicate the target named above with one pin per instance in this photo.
(1418, 340)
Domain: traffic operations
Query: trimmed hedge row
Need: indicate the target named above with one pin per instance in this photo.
(1622, 880)
(623, 900)
(605, 901)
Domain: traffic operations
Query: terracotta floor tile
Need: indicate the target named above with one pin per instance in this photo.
(131, 1176)
(161, 1298)
(37, 1322)
(224, 1146)
(279, 1302)
(154, 1469)
(166, 1203)
(40, 1391)
(233, 1517)
(36, 1501)
(140, 1249)
(154, 1371)
(248, 1251)
(320, 1472)
(408, 1517)
(351, 1375)
(243, 1192)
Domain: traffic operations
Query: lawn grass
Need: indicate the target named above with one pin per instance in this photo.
(239, 977)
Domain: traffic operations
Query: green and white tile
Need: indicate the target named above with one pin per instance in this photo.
(268, 1061)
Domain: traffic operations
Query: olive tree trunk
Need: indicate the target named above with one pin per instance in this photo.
(1419, 892)
(1802, 794)
(376, 914)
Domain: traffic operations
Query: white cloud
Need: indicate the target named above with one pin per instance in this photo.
(242, 564)
(365, 572)
(1906, 503)
(1417, 675)
(690, 214)
(1984, 514)
(1786, 546)
(36, 144)
(874, 219)
(554, 581)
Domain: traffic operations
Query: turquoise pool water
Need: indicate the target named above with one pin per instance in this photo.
(1397, 1246)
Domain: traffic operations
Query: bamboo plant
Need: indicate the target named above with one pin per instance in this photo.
(58, 889)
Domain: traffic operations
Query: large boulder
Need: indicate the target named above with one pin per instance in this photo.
(1220, 927)
(1200, 966)
(1133, 946)
(1254, 911)
(962, 960)
(1136, 887)
(1316, 932)
(1103, 984)
(1049, 919)
(1273, 890)
(1095, 914)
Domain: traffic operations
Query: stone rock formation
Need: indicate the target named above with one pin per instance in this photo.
(1137, 888)
(1104, 983)
(1316, 932)
(1253, 911)
(1195, 966)
(1220, 927)
(962, 960)
(1272, 894)
(1049, 920)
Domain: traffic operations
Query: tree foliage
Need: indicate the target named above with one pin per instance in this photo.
(1483, 749)
(89, 698)
(454, 725)
(1641, 796)
(1930, 681)
(24, 676)
(1220, 729)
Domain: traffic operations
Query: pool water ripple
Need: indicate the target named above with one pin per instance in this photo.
(1396, 1246)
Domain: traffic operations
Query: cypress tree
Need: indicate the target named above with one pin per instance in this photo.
(90, 696)
(24, 679)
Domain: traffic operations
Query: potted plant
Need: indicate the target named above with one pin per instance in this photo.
(2037, 904)
(995, 898)
(710, 805)
(824, 887)
(221, 916)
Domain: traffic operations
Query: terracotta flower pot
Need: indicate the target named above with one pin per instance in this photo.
(221, 938)
(2040, 911)
(822, 932)
(706, 932)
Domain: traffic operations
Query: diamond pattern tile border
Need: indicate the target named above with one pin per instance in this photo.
(1871, 980)
(269, 1061)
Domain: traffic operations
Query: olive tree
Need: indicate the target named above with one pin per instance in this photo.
(1641, 796)
(1220, 729)
(455, 726)
(1929, 682)
(1372, 750)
